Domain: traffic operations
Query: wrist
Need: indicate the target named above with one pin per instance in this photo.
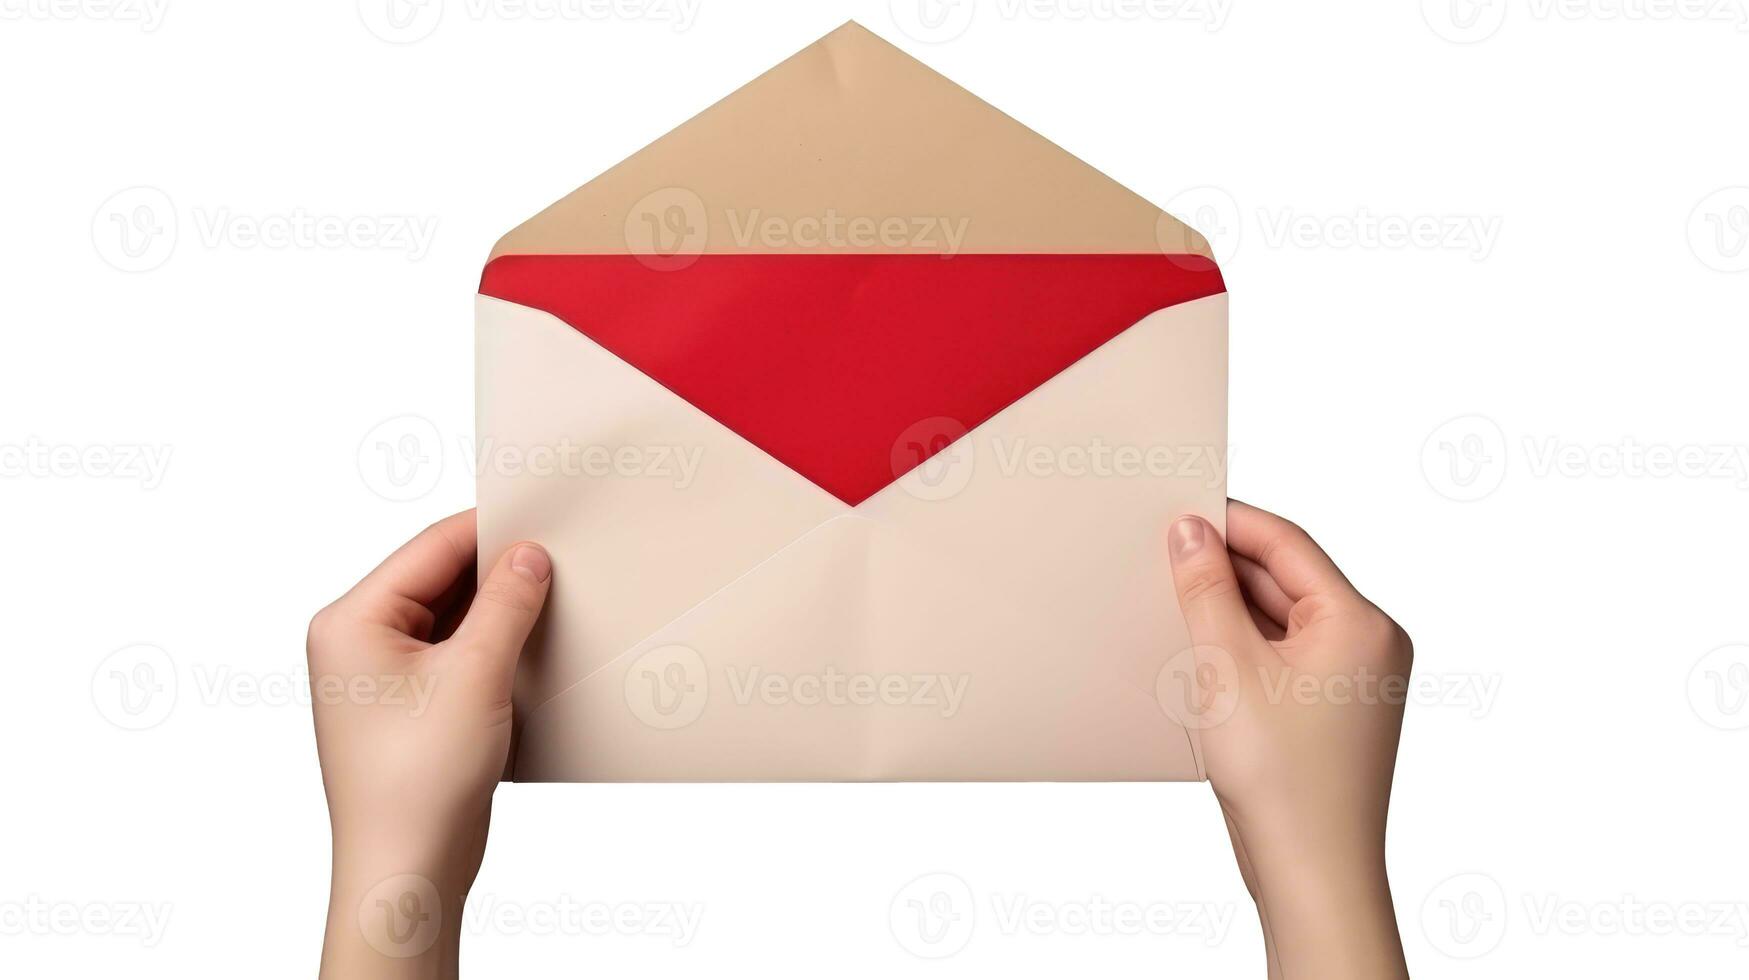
(396, 900)
(404, 924)
(1326, 906)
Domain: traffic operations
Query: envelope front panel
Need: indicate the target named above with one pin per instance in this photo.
(991, 602)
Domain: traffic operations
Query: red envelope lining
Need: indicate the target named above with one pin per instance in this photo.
(844, 366)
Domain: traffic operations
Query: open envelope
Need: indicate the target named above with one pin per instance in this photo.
(853, 414)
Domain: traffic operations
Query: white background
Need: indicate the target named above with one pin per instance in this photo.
(1580, 763)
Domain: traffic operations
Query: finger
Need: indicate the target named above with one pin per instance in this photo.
(1269, 628)
(424, 568)
(1208, 591)
(506, 608)
(1261, 589)
(1289, 554)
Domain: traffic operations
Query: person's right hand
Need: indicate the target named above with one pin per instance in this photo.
(1304, 683)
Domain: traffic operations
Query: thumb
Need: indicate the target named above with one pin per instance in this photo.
(507, 605)
(1208, 591)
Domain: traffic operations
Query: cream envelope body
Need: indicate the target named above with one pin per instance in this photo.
(1002, 611)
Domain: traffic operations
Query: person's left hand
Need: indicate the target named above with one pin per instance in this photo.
(410, 676)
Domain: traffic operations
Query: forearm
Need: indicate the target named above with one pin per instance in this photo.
(390, 927)
(1328, 915)
(395, 904)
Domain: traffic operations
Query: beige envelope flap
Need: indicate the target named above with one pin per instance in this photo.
(852, 130)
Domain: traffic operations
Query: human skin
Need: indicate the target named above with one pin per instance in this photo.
(1301, 713)
(412, 670)
(410, 766)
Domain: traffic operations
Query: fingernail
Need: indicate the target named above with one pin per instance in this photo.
(1187, 536)
(531, 562)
